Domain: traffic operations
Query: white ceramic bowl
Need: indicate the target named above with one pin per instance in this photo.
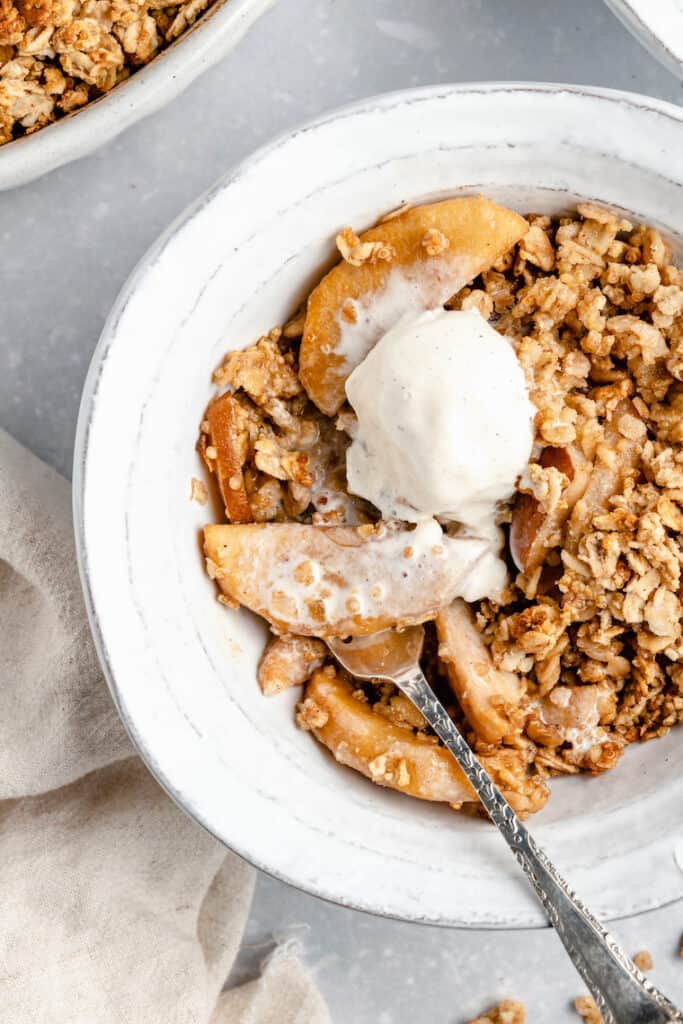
(181, 666)
(150, 88)
(658, 24)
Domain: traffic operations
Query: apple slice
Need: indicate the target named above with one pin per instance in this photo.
(533, 532)
(427, 254)
(339, 580)
(410, 762)
(621, 456)
(386, 753)
(289, 661)
(572, 715)
(229, 439)
(489, 697)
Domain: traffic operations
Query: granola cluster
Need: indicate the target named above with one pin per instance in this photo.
(287, 461)
(593, 622)
(58, 55)
(585, 650)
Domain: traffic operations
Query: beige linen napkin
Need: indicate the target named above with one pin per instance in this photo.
(115, 908)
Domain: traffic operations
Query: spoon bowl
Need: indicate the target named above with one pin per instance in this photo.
(384, 655)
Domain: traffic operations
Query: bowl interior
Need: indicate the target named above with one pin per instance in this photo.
(182, 666)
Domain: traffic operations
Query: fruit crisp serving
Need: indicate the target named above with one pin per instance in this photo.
(580, 652)
(57, 55)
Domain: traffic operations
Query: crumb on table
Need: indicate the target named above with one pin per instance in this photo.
(509, 1011)
(643, 960)
(587, 1009)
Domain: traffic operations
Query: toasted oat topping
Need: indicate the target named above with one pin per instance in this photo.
(310, 715)
(198, 491)
(58, 55)
(598, 339)
(435, 243)
(356, 252)
(262, 370)
(476, 298)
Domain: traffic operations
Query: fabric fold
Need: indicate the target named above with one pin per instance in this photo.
(116, 907)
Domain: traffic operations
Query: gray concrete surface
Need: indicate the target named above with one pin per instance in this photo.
(68, 242)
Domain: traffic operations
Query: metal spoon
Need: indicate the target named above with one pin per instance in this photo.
(623, 994)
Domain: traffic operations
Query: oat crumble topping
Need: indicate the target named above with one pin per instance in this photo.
(58, 55)
(198, 491)
(596, 608)
(357, 253)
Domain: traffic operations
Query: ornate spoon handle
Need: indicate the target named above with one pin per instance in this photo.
(623, 994)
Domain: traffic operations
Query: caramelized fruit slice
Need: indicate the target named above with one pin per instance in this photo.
(396, 757)
(568, 712)
(386, 753)
(617, 458)
(489, 697)
(533, 532)
(289, 661)
(434, 251)
(228, 437)
(339, 580)
(573, 715)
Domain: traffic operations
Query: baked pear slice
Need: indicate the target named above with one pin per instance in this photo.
(388, 754)
(339, 580)
(489, 697)
(229, 439)
(534, 532)
(616, 459)
(415, 261)
(289, 661)
(400, 758)
(574, 716)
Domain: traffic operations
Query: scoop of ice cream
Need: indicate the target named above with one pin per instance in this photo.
(444, 421)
